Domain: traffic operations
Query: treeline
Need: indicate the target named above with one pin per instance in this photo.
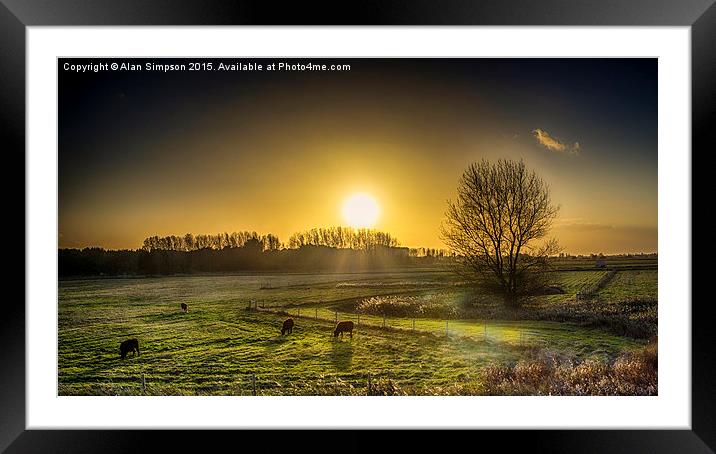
(430, 252)
(338, 249)
(250, 257)
(343, 238)
(335, 237)
(190, 242)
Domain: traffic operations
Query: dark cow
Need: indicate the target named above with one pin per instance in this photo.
(130, 345)
(343, 327)
(287, 327)
(184, 307)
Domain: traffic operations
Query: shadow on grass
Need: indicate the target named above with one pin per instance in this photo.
(342, 353)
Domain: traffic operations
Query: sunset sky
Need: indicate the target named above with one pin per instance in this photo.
(154, 153)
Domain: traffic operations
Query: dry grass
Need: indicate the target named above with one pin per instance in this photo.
(632, 374)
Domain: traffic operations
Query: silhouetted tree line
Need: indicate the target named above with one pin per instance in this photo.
(344, 238)
(190, 242)
(428, 252)
(345, 250)
(335, 237)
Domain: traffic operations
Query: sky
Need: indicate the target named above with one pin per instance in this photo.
(146, 153)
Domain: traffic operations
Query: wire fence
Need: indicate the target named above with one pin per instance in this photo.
(479, 330)
(257, 384)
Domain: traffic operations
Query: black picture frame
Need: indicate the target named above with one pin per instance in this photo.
(16, 15)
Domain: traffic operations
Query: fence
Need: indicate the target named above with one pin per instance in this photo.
(479, 330)
(258, 384)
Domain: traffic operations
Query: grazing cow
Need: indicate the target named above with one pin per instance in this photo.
(130, 345)
(184, 307)
(287, 327)
(343, 327)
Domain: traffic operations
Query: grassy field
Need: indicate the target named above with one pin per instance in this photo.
(631, 285)
(216, 347)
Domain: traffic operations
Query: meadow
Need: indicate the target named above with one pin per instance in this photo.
(229, 342)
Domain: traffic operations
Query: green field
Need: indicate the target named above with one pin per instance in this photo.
(219, 347)
(631, 285)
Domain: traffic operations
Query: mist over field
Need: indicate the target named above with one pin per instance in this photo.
(231, 332)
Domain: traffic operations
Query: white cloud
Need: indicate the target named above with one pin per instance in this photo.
(554, 144)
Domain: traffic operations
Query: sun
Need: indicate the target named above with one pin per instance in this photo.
(361, 210)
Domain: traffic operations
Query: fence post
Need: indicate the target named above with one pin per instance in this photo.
(299, 312)
(413, 324)
(144, 384)
(369, 384)
(316, 312)
(447, 333)
(253, 383)
(485, 331)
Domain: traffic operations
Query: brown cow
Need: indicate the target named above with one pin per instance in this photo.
(184, 307)
(343, 327)
(287, 327)
(130, 345)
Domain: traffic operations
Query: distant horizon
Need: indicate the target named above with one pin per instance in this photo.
(284, 245)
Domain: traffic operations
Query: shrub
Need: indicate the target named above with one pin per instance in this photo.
(405, 306)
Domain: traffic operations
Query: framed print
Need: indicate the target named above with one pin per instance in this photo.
(454, 218)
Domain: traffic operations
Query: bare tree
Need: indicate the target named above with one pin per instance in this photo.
(498, 226)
